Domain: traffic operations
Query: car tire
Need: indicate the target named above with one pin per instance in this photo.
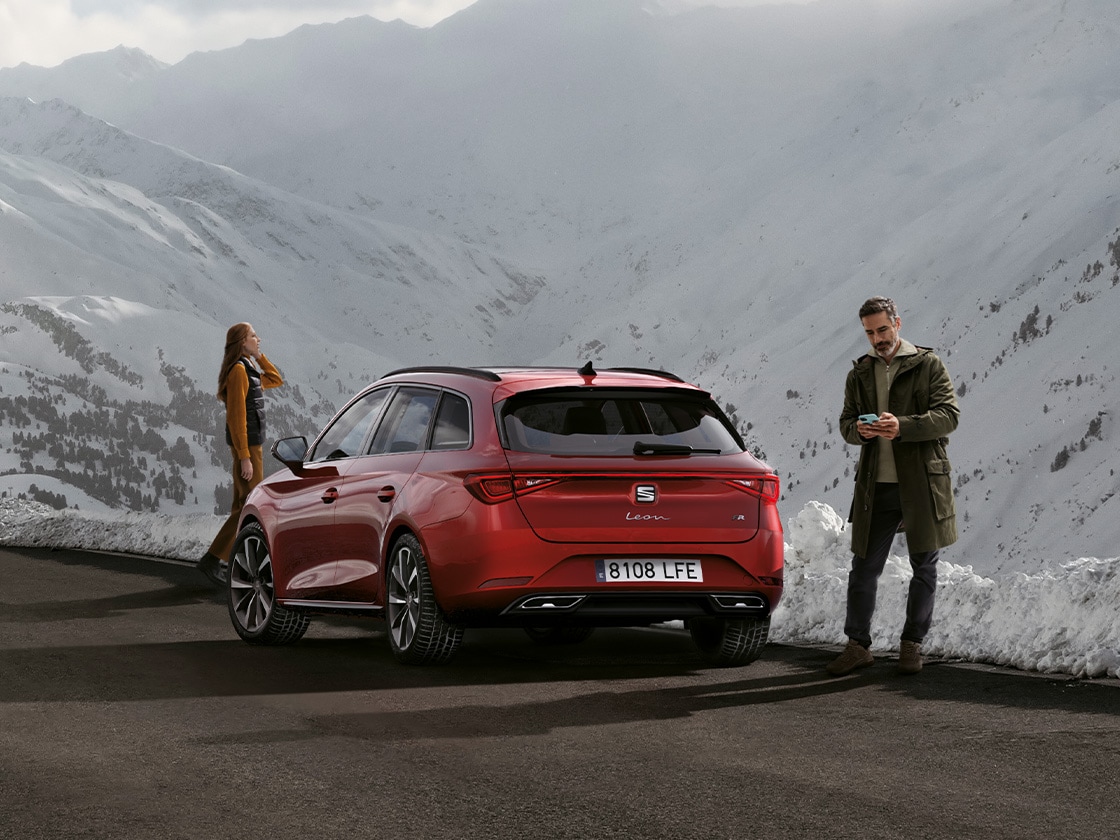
(727, 642)
(559, 635)
(251, 597)
(419, 632)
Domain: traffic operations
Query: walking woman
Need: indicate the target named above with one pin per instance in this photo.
(244, 375)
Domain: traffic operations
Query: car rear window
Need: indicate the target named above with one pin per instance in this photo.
(611, 424)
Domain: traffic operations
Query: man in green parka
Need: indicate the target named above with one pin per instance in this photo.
(899, 407)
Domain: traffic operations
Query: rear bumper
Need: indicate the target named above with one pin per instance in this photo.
(615, 609)
(489, 568)
(599, 607)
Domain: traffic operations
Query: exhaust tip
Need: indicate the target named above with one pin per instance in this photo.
(739, 603)
(548, 603)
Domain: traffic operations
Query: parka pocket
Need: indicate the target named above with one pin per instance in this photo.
(939, 471)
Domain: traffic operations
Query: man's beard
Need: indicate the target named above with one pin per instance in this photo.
(886, 349)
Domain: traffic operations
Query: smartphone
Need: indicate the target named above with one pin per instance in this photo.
(868, 418)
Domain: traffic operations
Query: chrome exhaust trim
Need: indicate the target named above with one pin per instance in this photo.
(736, 603)
(548, 603)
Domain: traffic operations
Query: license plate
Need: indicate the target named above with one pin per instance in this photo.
(634, 570)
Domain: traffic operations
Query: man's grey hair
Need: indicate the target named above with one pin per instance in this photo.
(878, 304)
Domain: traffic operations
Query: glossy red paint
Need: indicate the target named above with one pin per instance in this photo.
(512, 533)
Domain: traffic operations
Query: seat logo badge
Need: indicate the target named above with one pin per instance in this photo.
(645, 494)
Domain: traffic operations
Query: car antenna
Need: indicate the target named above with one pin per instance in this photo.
(587, 370)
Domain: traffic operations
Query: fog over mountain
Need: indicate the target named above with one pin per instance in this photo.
(713, 192)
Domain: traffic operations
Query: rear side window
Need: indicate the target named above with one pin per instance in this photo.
(405, 427)
(612, 424)
(453, 423)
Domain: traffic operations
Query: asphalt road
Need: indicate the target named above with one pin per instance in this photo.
(130, 709)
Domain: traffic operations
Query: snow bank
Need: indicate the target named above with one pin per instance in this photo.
(1062, 620)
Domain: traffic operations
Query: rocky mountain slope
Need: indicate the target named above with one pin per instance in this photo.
(713, 192)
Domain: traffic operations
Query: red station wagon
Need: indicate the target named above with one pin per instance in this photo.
(554, 500)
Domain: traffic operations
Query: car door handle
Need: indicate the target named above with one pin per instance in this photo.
(387, 493)
(330, 497)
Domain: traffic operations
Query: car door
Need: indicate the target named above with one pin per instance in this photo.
(304, 539)
(372, 487)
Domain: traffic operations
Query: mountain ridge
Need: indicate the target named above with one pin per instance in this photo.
(713, 192)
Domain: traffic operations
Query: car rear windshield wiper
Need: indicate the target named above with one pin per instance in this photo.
(643, 448)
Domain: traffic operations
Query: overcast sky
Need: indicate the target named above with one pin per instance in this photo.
(47, 32)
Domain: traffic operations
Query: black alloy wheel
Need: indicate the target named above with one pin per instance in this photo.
(256, 616)
(419, 632)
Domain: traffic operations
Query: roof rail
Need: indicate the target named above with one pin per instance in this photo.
(478, 373)
(664, 374)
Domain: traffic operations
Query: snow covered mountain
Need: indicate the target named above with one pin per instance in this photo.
(714, 192)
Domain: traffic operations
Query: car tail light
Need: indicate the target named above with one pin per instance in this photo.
(501, 487)
(765, 486)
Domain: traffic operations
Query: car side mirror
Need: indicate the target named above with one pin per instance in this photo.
(290, 452)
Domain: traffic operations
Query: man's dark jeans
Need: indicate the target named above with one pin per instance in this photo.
(863, 579)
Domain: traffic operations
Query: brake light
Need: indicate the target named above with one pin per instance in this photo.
(764, 486)
(502, 487)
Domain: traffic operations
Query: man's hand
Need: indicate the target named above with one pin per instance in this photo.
(886, 426)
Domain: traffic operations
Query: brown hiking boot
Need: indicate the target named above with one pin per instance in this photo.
(214, 569)
(909, 657)
(853, 656)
